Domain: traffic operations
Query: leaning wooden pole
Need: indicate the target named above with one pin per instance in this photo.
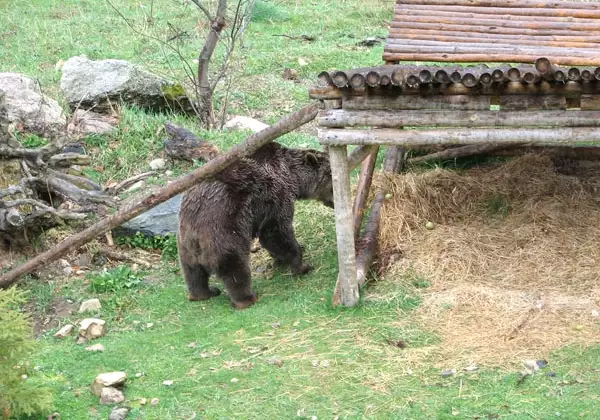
(178, 186)
(362, 190)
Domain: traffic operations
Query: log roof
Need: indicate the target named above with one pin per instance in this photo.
(508, 31)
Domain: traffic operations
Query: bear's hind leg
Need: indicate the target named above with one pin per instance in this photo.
(281, 243)
(196, 277)
(234, 270)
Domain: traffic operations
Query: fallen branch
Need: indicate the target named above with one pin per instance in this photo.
(178, 186)
(129, 181)
(358, 155)
(456, 152)
(118, 256)
(43, 208)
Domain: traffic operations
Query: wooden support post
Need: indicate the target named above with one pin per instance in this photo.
(344, 227)
(362, 191)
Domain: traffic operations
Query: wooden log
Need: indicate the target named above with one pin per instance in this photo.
(406, 138)
(517, 22)
(457, 152)
(385, 80)
(357, 81)
(529, 103)
(495, 56)
(341, 118)
(441, 76)
(362, 191)
(564, 6)
(466, 36)
(325, 79)
(373, 78)
(593, 56)
(574, 74)
(587, 75)
(64, 160)
(178, 186)
(340, 79)
(358, 155)
(462, 15)
(504, 9)
(462, 102)
(597, 73)
(531, 77)
(480, 44)
(458, 27)
(589, 102)
(349, 295)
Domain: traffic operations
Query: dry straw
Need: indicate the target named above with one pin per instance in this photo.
(513, 258)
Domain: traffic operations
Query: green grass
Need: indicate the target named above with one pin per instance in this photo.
(367, 377)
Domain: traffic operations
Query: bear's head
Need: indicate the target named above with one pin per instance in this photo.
(315, 177)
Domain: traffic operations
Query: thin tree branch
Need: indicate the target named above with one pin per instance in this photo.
(204, 10)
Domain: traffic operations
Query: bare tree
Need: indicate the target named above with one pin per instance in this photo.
(227, 24)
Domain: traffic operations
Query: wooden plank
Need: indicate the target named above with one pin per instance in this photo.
(362, 190)
(503, 10)
(414, 102)
(590, 102)
(530, 103)
(341, 118)
(358, 155)
(534, 4)
(479, 57)
(459, 14)
(344, 226)
(558, 136)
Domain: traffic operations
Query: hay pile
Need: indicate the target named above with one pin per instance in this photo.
(513, 260)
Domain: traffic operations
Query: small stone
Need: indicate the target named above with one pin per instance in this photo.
(24, 376)
(579, 327)
(302, 61)
(388, 196)
(59, 65)
(168, 173)
(135, 186)
(471, 368)
(139, 375)
(325, 364)
(108, 379)
(95, 348)
(143, 401)
(84, 260)
(542, 363)
(167, 383)
(64, 263)
(118, 413)
(68, 271)
(296, 323)
(135, 267)
(276, 325)
(80, 272)
(157, 164)
(531, 365)
(448, 372)
(315, 363)
(234, 380)
(110, 395)
(64, 331)
(429, 226)
(81, 340)
(192, 345)
(149, 325)
(154, 401)
(91, 328)
(314, 418)
(91, 305)
(595, 313)
(275, 361)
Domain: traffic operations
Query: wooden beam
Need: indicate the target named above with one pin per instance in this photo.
(342, 194)
(558, 136)
(362, 190)
(341, 118)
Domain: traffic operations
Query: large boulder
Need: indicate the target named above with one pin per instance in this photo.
(160, 220)
(98, 84)
(25, 106)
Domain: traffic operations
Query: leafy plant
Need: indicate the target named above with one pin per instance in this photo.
(19, 396)
(167, 244)
(119, 278)
(33, 142)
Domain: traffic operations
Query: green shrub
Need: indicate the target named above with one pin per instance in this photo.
(119, 278)
(167, 244)
(19, 396)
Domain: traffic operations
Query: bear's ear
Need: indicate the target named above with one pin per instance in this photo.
(312, 159)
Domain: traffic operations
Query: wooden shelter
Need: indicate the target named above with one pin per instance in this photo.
(540, 85)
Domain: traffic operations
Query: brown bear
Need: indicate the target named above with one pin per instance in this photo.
(220, 217)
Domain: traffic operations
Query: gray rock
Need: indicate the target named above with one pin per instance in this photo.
(26, 107)
(118, 413)
(157, 164)
(92, 305)
(160, 220)
(245, 123)
(91, 328)
(64, 331)
(110, 395)
(108, 379)
(85, 122)
(96, 84)
(95, 348)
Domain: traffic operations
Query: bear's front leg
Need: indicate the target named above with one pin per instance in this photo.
(234, 270)
(280, 241)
